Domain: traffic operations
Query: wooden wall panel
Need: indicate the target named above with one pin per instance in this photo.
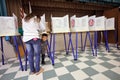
(109, 14)
(56, 8)
(13, 6)
(119, 28)
(60, 12)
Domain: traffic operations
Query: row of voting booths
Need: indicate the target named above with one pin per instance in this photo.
(64, 25)
(81, 24)
(77, 25)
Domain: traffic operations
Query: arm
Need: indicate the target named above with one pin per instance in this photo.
(41, 27)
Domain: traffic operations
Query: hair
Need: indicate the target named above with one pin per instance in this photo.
(38, 18)
(29, 16)
(44, 34)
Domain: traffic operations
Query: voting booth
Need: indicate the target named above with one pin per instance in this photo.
(100, 23)
(9, 27)
(92, 23)
(110, 24)
(79, 24)
(60, 24)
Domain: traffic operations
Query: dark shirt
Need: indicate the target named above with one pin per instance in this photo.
(43, 46)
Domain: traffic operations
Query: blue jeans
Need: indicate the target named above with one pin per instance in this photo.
(33, 49)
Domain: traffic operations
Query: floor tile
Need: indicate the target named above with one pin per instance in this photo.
(70, 57)
(57, 61)
(58, 65)
(8, 76)
(100, 77)
(72, 68)
(49, 74)
(48, 67)
(116, 70)
(22, 78)
(15, 64)
(98, 61)
(6, 66)
(63, 59)
(60, 56)
(117, 59)
(112, 75)
(90, 63)
(36, 77)
(66, 77)
(88, 79)
(22, 74)
(75, 61)
(81, 65)
(90, 71)
(54, 78)
(107, 65)
(67, 63)
(12, 69)
(115, 55)
(99, 68)
(104, 58)
(1, 76)
(83, 59)
(79, 75)
(114, 62)
(110, 57)
(90, 57)
(61, 71)
(3, 71)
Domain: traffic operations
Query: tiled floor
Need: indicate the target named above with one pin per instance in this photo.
(106, 66)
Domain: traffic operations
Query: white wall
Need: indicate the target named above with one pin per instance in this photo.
(8, 50)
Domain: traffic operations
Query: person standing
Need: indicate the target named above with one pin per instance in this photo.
(31, 29)
(44, 46)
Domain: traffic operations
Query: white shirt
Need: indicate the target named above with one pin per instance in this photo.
(31, 29)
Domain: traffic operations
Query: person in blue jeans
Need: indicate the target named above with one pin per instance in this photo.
(31, 29)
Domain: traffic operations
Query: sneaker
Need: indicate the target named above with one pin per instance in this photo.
(40, 71)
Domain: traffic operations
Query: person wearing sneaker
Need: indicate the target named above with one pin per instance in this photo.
(43, 46)
(31, 28)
